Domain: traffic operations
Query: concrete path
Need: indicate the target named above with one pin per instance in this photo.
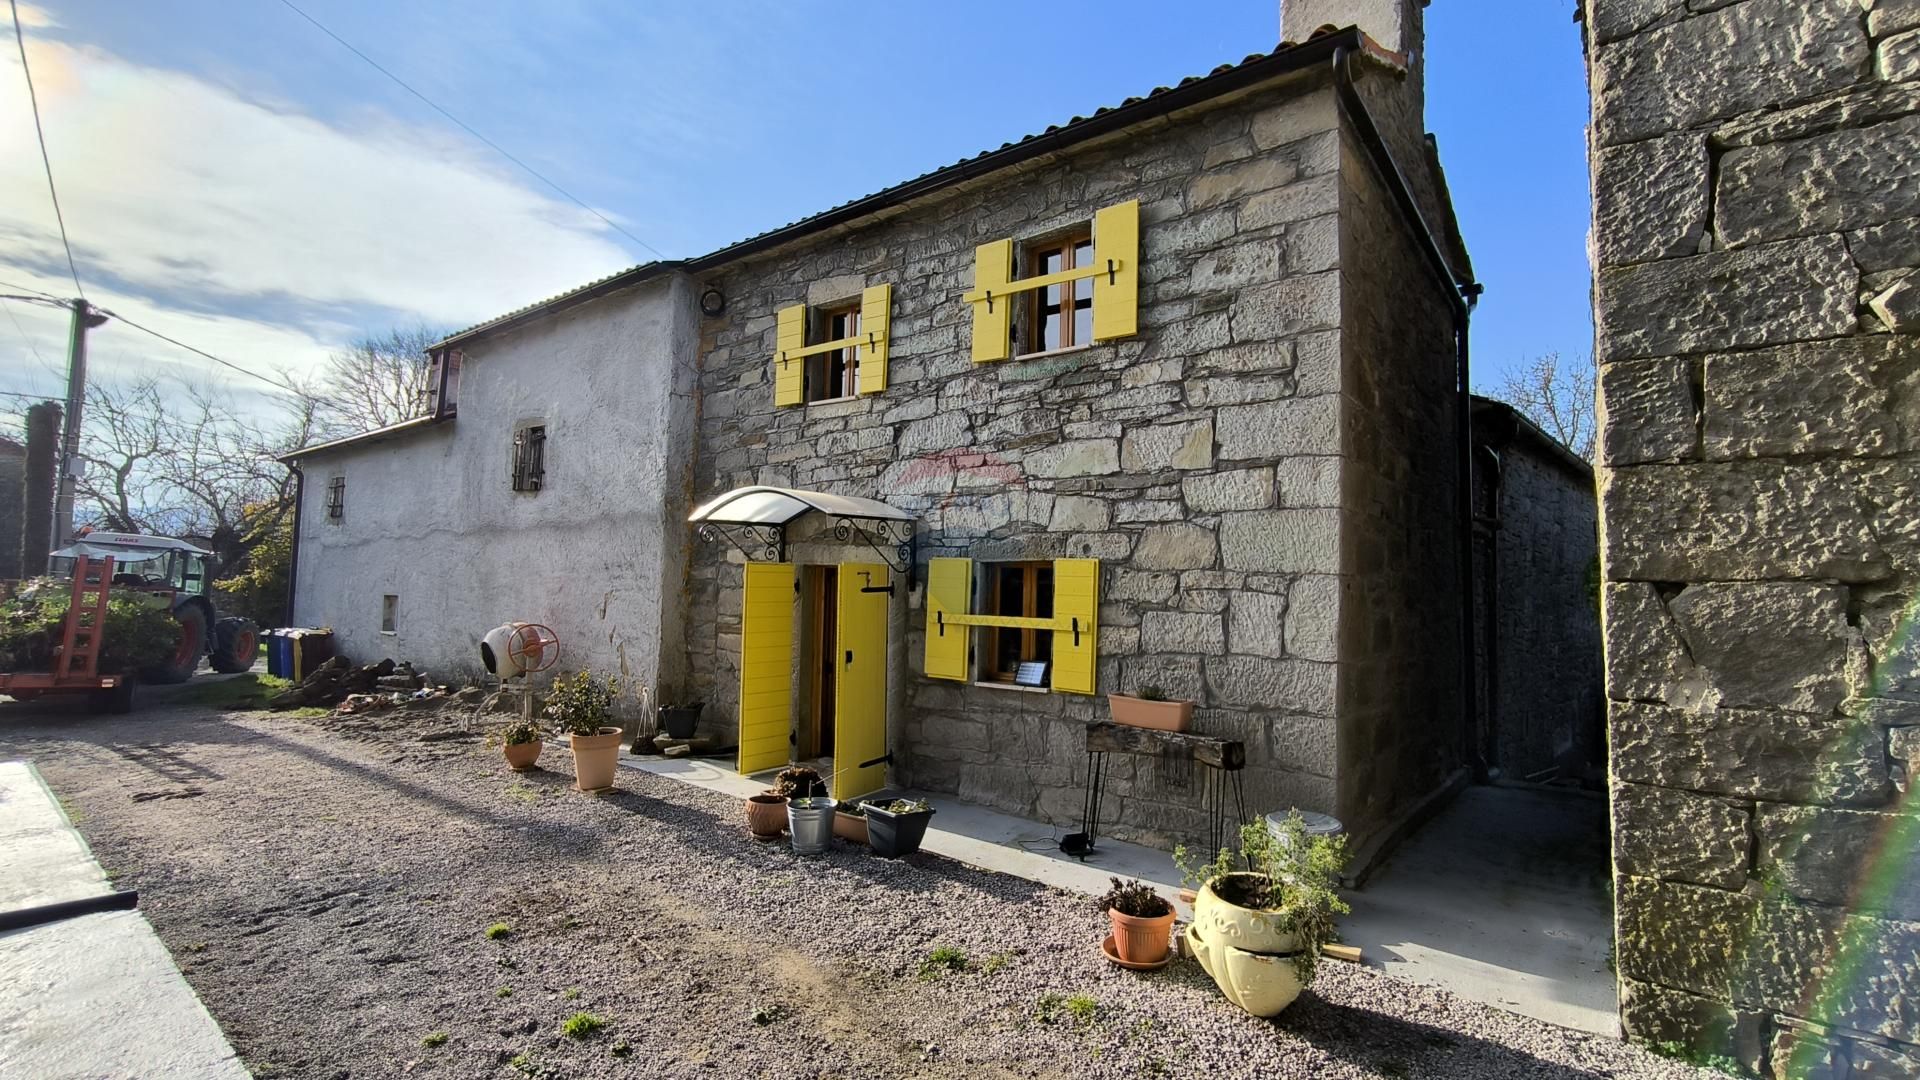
(1500, 899)
(96, 995)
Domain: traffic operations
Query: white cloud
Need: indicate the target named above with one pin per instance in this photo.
(252, 229)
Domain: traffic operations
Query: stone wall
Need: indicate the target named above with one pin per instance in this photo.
(1200, 460)
(1757, 248)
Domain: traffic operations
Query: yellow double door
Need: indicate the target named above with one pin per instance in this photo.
(767, 617)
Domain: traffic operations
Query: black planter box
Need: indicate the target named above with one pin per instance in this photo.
(892, 835)
(679, 721)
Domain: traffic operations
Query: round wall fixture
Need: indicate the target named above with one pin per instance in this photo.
(712, 302)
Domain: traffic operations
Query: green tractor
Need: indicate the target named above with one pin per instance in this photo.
(174, 573)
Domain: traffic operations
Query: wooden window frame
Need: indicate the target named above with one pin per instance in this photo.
(336, 498)
(529, 473)
(1033, 335)
(820, 365)
(989, 653)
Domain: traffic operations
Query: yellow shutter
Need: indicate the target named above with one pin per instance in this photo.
(766, 666)
(949, 592)
(789, 371)
(1116, 297)
(1076, 609)
(992, 316)
(876, 319)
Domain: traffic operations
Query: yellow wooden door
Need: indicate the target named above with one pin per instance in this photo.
(766, 666)
(860, 703)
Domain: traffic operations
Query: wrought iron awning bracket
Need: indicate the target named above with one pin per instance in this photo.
(880, 534)
(771, 540)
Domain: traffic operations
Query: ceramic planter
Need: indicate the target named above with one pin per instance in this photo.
(811, 822)
(850, 827)
(595, 759)
(1141, 940)
(1158, 715)
(892, 835)
(767, 815)
(1263, 985)
(521, 756)
(1241, 927)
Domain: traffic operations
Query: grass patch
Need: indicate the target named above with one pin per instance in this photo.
(1079, 1009)
(996, 962)
(497, 931)
(524, 1063)
(944, 960)
(621, 1049)
(244, 692)
(504, 992)
(433, 1039)
(581, 1025)
(572, 993)
(1682, 1052)
(523, 792)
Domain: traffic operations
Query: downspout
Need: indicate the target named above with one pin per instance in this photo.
(293, 556)
(1461, 297)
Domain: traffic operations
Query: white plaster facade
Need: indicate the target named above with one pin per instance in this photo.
(597, 554)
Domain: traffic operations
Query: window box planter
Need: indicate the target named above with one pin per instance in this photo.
(850, 825)
(1147, 713)
(892, 834)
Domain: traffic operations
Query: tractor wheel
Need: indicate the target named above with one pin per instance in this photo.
(235, 643)
(187, 652)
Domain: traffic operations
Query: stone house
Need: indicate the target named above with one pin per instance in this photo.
(1757, 295)
(1168, 396)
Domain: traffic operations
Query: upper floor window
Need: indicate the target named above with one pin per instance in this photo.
(1060, 316)
(337, 497)
(529, 457)
(443, 383)
(835, 374)
(1022, 590)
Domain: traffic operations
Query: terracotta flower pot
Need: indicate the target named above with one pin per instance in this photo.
(1158, 715)
(1141, 941)
(850, 827)
(595, 759)
(767, 815)
(521, 756)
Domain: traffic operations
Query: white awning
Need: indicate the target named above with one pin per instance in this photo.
(778, 506)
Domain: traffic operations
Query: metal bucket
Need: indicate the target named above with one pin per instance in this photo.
(810, 820)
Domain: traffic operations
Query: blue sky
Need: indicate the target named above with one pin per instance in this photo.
(251, 187)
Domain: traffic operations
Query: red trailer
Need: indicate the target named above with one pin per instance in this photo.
(76, 662)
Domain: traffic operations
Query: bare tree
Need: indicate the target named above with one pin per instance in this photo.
(1557, 395)
(377, 381)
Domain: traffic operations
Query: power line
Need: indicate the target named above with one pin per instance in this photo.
(20, 39)
(191, 349)
(23, 332)
(35, 397)
(469, 130)
(23, 288)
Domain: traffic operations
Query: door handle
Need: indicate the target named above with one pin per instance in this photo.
(849, 657)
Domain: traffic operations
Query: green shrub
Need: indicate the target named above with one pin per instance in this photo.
(579, 704)
(140, 632)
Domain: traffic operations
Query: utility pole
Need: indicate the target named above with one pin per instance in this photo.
(84, 318)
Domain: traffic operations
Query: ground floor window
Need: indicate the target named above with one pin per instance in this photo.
(1020, 590)
(389, 613)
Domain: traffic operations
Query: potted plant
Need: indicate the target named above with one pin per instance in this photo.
(679, 721)
(798, 782)
(1261, 919)
(520, 739)
(1151, 709)
(582, 706)
(896, 828)
(1142, 922)
(850, 823)
(767, 815)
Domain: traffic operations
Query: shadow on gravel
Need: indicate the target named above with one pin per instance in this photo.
(1392, 1046)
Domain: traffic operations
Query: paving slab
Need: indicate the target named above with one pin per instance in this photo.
(45, 857)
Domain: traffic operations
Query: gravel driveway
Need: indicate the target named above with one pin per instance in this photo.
(328, 893)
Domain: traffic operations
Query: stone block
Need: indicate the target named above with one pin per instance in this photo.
(1749, 753)
(1298, 201)
(1802, 1051)
(1827, 183)
(1308, 481)
(1872, 1061)
(1311, 246)
(1898, 306)
(1235, 267)
(1650, 199)
(1179, 676)
(942, 431)
(1079, 513)
(1888, 17)
(1646, 412)
(1789, 50)
(1779, 645)
(1903, 745)
(1175, 546)
(1682, 936)
(1659, 1014)
(1124, 584)
(1181, 632)
(1284, 428)
(1255, 624)
(1611, 20)
(1645, 657)
(1299, 118)
(1082, 457)
(1853, 858)
(1313, 618)
(1679, 836)
(1795, 290)
(1241, 489)
(1747, 519)
(1290, 306)
(1815, 397)
(1153, 447)
(1266, 683)
(1309, 744)
(1217, 186)
(1897, 59)
(1281, 541)
(1894, 245)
